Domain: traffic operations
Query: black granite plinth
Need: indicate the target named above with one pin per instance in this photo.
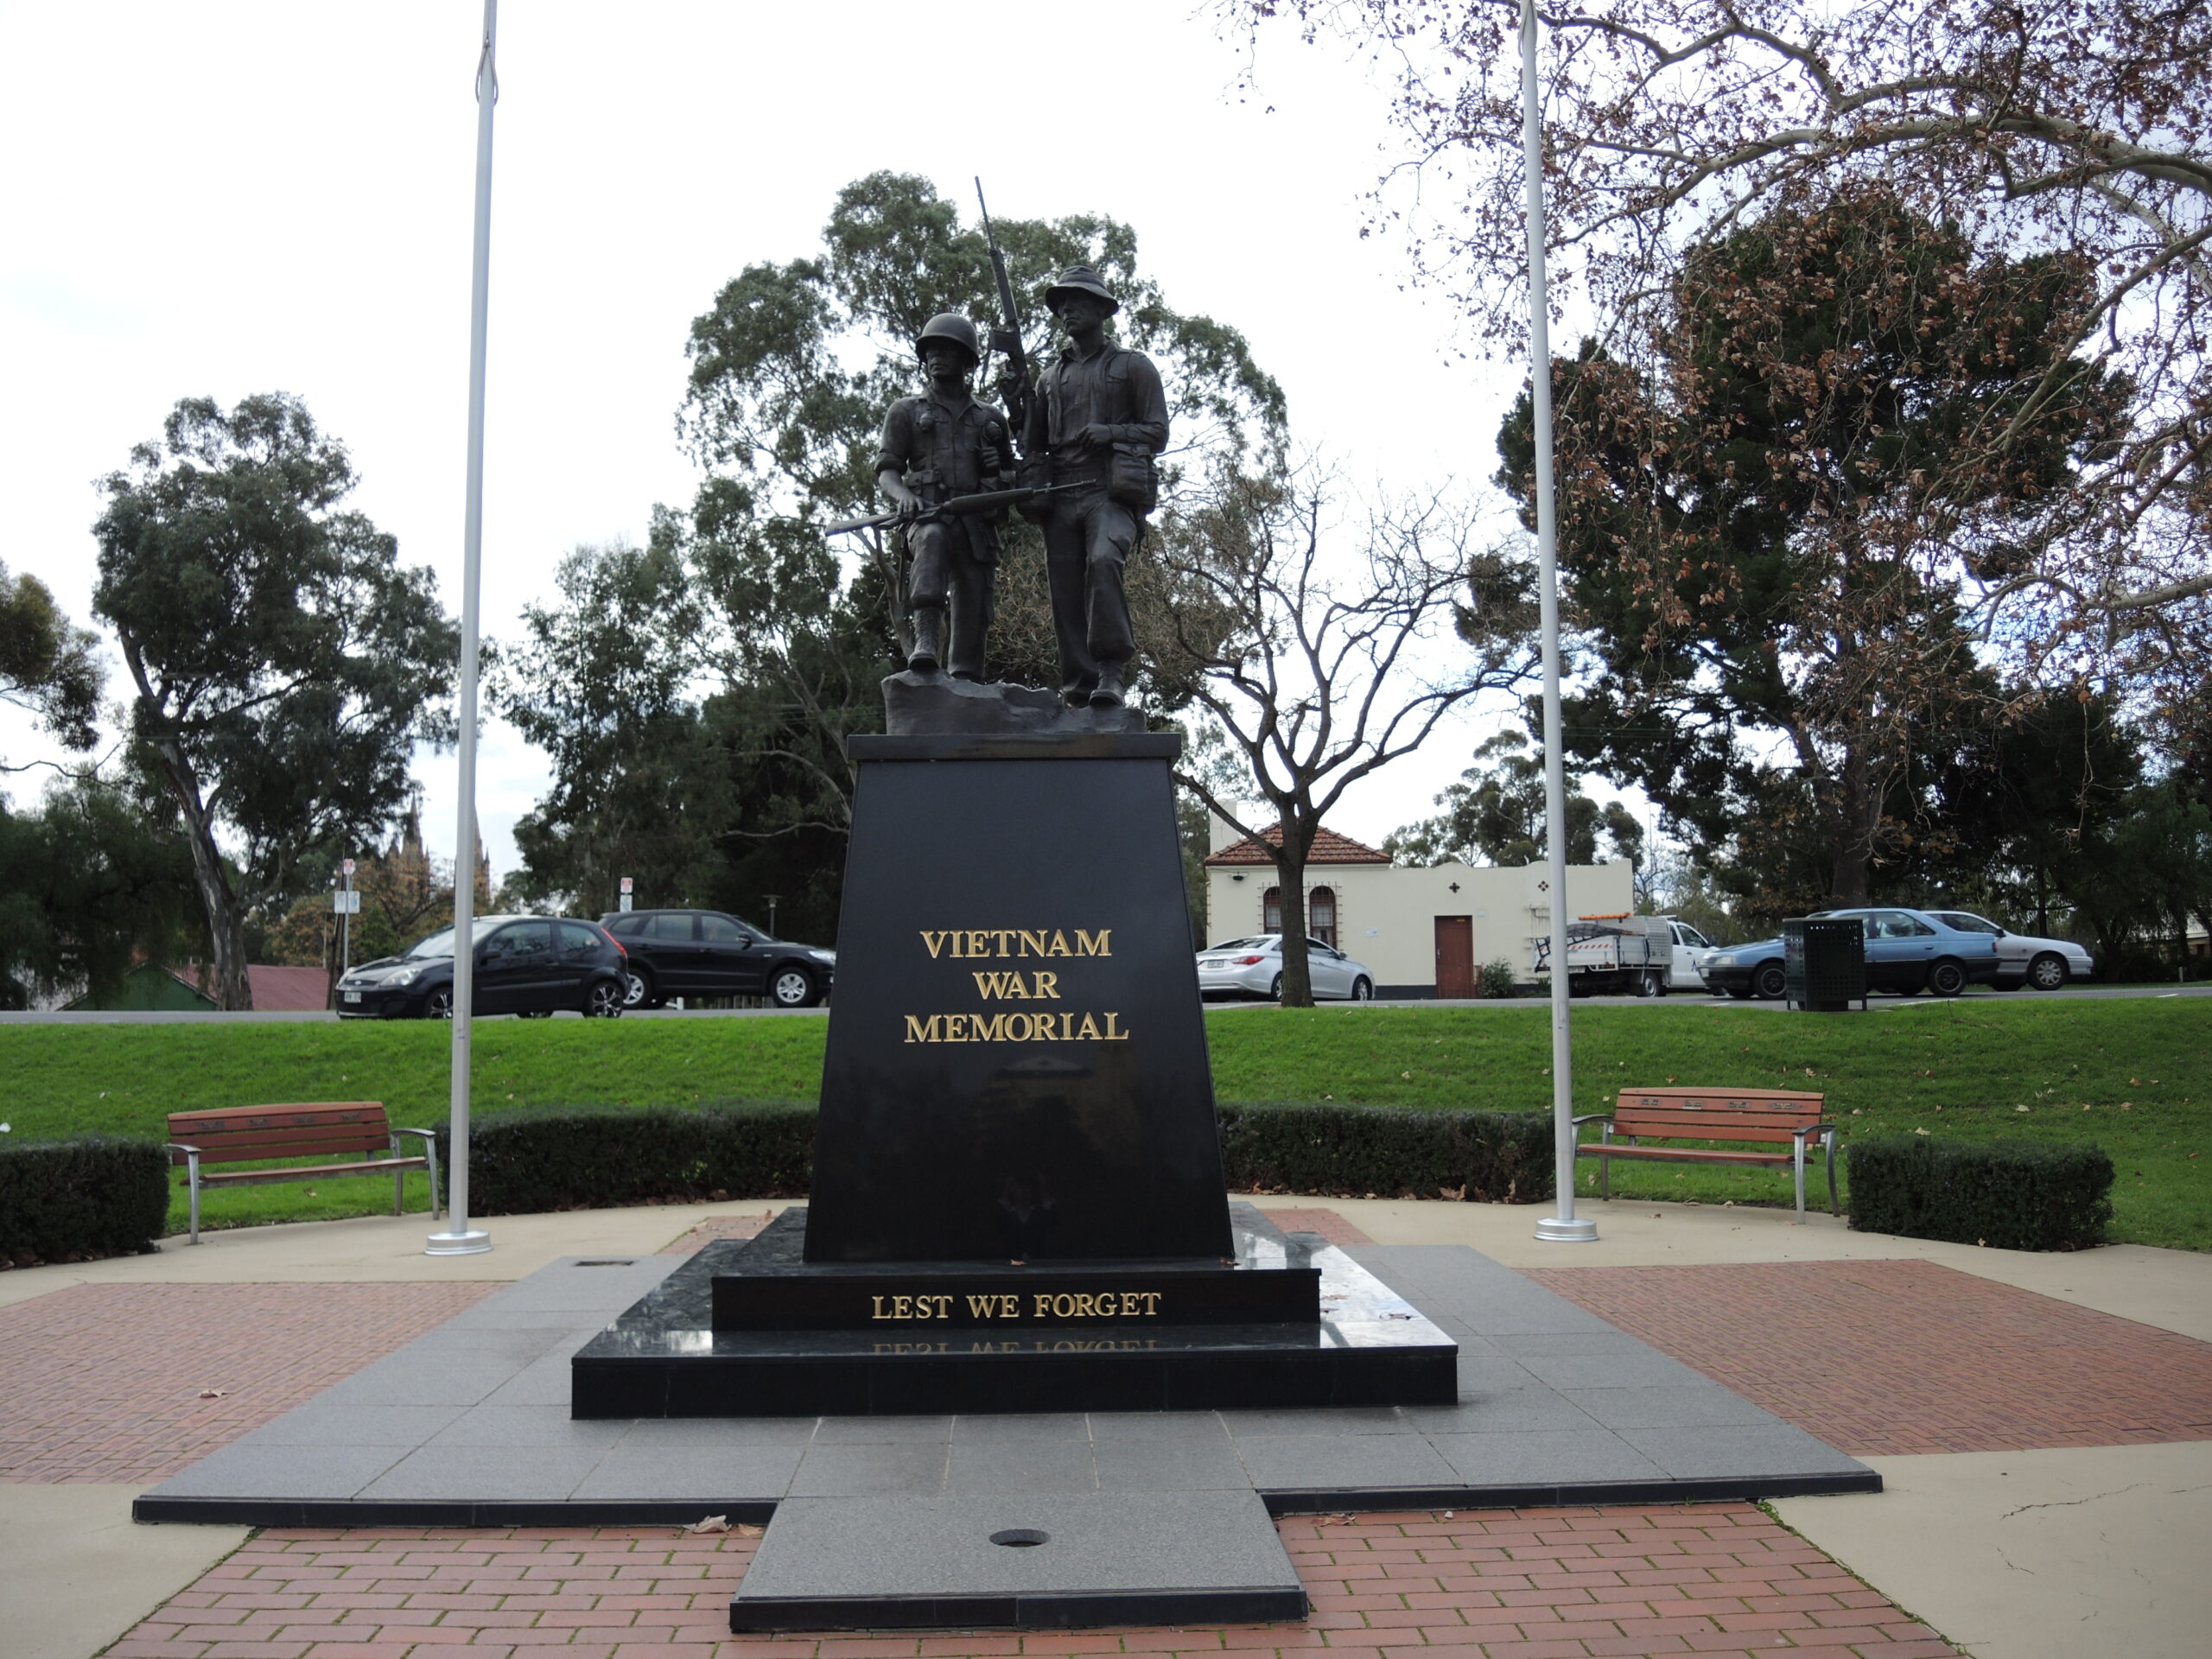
(1016, 1063)
(771, 1286)
(665, 1357)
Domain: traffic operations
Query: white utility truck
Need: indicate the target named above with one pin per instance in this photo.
(1611, 955)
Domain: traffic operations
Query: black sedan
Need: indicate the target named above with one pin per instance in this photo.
(676, 953)
(527, 965)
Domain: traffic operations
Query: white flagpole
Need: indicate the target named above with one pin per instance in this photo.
(1565, 1227)
(459, 1239)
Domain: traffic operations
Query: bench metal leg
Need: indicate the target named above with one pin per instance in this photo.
(1797, 1160)
(192, 1180)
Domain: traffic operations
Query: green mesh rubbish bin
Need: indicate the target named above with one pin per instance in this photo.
(1824, 963)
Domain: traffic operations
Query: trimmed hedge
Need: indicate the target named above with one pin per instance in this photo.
(597, 1158)
(1389, 1152)
(2012, 1195)
(74, 1201)
(605, 1157)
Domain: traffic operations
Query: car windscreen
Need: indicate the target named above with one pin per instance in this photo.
(1264, 942)
(441, 943)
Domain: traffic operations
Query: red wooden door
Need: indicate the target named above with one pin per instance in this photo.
(1455, 956)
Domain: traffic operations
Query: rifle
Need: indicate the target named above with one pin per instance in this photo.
(960, 506)
(1008, 341)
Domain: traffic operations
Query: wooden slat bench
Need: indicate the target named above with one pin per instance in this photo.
(1775, 1115)
(252, 1133)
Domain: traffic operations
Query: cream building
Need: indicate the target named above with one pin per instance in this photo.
(1419, 932)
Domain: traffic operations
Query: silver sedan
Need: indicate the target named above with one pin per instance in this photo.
(2022, 958)
(1253, 967)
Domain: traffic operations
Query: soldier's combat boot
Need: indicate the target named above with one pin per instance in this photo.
(929, 625)
(1109, 692)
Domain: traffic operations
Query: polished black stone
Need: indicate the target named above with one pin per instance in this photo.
(918, 703)
(664, 1357)
(769, 1286)
(1016, 1063)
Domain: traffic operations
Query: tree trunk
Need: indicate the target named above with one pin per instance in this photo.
(1290, 878)
(225, 927)
(1852, 871)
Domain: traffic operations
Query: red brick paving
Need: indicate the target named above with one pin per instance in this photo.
(101, 1383)
(1716, 1579)
(1882, 1358)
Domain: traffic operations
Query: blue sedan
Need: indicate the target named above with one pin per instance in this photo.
(1907, 951)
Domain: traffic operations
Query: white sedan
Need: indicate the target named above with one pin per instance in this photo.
(2022, 958)
(1253, 967)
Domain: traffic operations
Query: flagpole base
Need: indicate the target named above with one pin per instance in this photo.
(474, 1241)
(1574, 1230)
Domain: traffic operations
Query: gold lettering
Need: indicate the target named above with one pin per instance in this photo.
(988, 986)
(916, 1031)
(1028, 1026)
(1112, 1035)
(1033, 944)
(902, 1308)
(1088, 1032)
(935, 941)
(1059, 946)
(992, 1030)
(1043, 1028)
(1064, 1305)
(976, 938)
(1002, 934)
(1088, 945)
(1044, 1306)
(879, 1313)
(979, 1308)
(1009, 1307)
(1047, 985)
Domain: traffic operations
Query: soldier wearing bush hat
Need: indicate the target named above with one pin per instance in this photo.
(1098, 417)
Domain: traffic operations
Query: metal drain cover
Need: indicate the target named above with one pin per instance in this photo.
(970, 1563)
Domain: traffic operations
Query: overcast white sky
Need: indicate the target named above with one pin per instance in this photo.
(223, 198)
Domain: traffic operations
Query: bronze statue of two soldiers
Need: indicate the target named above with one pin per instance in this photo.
(1087, 434)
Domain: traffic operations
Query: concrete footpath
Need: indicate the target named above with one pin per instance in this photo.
(2010, 1554)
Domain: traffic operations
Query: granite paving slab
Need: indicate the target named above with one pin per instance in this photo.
(467, 1426)
(1019, 1561)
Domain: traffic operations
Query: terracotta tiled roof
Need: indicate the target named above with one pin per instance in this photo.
(1328, 848)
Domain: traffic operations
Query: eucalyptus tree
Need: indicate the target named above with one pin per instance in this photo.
(48, 665)
(283, 663)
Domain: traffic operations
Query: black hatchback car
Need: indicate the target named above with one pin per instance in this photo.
(527, 965)
(708, 953)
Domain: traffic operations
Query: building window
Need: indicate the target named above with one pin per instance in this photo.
(1271, 910)
(1321, 907)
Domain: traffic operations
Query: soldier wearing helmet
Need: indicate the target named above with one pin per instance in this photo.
(1099, 416)
(936, 446)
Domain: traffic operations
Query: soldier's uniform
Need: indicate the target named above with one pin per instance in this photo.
(1093, 522)
(945, 447)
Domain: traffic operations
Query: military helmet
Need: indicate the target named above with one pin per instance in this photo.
(950, 325)
(1082, 279)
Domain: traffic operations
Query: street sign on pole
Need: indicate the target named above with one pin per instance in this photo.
(346, 867)
(626, 885)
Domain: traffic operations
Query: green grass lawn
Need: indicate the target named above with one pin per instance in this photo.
(2134, 1076)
